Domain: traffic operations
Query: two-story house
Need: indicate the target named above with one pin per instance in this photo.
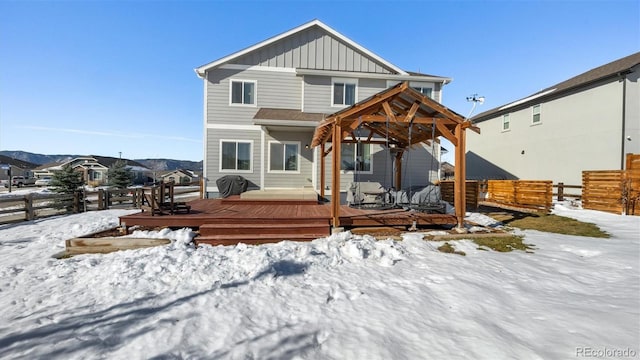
(588, 122)
(262, 104)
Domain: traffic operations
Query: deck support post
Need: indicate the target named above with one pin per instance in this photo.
(335, 172)
(460, 176)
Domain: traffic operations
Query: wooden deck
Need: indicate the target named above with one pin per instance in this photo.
(233, 220)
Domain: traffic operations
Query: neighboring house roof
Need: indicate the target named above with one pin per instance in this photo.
(108, 161)
(445, 166)
(48, 166)
(105, 161)
(183, 172)
(394, 70)
(611, 70)
(17, 163)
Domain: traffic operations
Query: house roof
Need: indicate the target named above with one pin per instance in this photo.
(48, 165)
(180, 171)
(202, 69)
(400, 114)
(106, 161)
(610, 70)
(447, 166)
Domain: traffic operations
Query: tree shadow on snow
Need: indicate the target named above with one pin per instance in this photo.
(104, 331)
(100, 332)
(278, 269)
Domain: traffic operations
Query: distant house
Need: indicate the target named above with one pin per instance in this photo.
(447, 171)
(94, 169)
(262, 105)
(18, 167)
(588, 122)
(180, 176)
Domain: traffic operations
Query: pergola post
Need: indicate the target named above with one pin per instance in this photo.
(398, 172)
(322, 171)
(460, 176)
(335, 171)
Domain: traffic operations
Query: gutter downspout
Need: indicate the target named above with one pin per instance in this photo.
(624, 118)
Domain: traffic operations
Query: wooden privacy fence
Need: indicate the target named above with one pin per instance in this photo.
(615, 191)
(471, 194)
(562, 191)
(534, 194)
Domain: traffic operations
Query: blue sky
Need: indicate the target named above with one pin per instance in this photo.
(105, 77)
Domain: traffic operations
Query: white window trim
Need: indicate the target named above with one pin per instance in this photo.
(344, 81)
(539, 113)
(228, 171)
(392, 83)
(415, 84)
(283, 171)
(255, 90)
(370, 172)
(502, 122)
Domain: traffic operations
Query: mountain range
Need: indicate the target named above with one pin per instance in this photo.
(153, 164)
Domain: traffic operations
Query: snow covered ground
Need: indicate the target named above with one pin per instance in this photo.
(342, 297)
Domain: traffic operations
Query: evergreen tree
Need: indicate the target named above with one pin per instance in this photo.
(119, 175)
(67, 180)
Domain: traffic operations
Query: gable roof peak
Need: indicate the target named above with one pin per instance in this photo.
(200, 71)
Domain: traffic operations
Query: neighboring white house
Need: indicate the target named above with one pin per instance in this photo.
(180, 176)
(262, 104)
(94, 169)
(588, 122)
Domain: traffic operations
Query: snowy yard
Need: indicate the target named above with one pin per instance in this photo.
(343, 297)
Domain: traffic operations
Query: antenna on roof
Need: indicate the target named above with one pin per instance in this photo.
(475, 99)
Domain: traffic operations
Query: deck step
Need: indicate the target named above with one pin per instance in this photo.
(237, 200)
(269, 220)
(255, 239)
(315, 227)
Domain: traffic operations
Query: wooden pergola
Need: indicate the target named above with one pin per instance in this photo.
(400, 117)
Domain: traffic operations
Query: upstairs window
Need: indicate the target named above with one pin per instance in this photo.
(235, 155)
(424, 90)
(344, 92)
(505, 122)
(535, 118)
(284, 156)
(355, 157)
(243, 92)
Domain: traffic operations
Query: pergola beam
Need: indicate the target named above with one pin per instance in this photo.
(412, 112)
(416, 119)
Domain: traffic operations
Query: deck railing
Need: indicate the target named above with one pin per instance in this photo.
(37, 205)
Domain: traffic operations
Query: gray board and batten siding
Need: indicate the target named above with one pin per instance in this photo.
(313, 48)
